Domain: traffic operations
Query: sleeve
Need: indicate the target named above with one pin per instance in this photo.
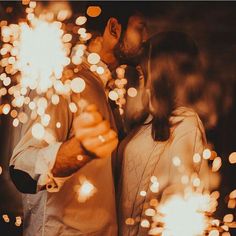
(33, 159)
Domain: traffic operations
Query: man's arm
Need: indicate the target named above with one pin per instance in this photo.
(85, 145)
(33, 160)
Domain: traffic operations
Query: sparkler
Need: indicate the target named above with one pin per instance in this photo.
(38, 58)
(85, 190)
(190, 213)
(35, 55)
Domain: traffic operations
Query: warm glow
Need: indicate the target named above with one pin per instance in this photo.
(132, 92)
(196, 158)
(73, 108)
(113, 95)
(232, 158)
(77, 85)
(143, 193)
(216, 164)
(184, 216)
(38, 131)
(85, 190)
(94, 11)
(206, 154)
(81, 20)
(129, 221)
(42, 55)
(93, 58)
(176, 161)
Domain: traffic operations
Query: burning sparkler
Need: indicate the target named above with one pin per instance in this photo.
(36, 54)
(191, 211)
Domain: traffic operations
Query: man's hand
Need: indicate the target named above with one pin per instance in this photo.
(94, 133)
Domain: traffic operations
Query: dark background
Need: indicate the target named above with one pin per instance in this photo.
(213, 26)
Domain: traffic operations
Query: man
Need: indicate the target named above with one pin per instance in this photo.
(70, 181)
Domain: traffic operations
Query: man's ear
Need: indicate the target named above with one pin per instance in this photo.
(114, 28)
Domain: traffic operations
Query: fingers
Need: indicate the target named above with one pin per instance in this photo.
(93, 131)
(95, 142)
(91, 107)
(87, 119)
(106, 150)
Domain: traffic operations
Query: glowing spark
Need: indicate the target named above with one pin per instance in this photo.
(77, 85)
(214, 232)
(154, 187)
(183, 216)
(132, 92)
(120, 71)
(206, 154)
(153, 202)
(129, 221)
(100, 70)
(38, 131)
(232, 158)
(232, 195)
(113, 95)
(85, 190)
(94, 11)
(23, 118)
(153, 179)
(228, 218)
(18, 221)
(73, 107)
(216, 164)
(156, 231)
(93, 58)
(196, 182)
(15, 122)
(58, 125)
(42, 55)
(6, 218)
(176, 161)
(145, 224)
(143, 193)
(6, 109)
(81, 20)
(55, 99)
(150, 212)
(197, 158)
(232, 203)
(80, 157)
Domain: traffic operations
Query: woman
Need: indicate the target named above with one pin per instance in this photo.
(159, 153)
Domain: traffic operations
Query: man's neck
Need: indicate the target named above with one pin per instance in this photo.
(109, 59)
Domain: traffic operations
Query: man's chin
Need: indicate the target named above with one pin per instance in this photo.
(132, 59)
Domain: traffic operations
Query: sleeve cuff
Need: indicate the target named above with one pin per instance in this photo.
(43, 168)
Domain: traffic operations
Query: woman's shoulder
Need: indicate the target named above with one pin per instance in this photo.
(185, 119)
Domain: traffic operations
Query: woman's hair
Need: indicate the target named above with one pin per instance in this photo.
(171, 67)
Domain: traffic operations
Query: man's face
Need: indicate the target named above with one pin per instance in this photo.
(130, 46)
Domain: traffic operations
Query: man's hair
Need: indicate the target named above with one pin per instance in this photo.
(122, 11)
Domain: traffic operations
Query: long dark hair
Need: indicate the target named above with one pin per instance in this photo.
(172, 58)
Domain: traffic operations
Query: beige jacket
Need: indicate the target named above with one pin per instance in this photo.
(60, 213)
(143, 157)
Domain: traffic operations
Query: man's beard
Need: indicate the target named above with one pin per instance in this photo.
(128, 56)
